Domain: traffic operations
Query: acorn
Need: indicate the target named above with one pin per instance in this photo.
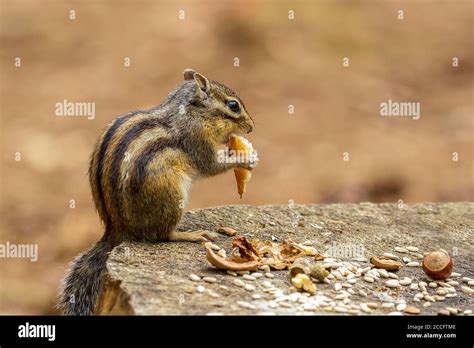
(438, 265)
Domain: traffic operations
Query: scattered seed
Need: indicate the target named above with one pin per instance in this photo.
(232, 273)
(414, 286)
(395, 313)
(439, 298)
(284, 304)
(369, 279)
(467, 290)
(249, 287)
(373, 305)
(392, 283)
(455, 275)
(213, 294)
(340, 309)
(390, 256)
(444, 312)
(194, 277)
(412, 310)
(200, 289)
(248, 277)
(269, 275)
(257, 275)
(413, 264)
(401, 250)
(401, 307)
(267, 284)
(365, 308)
(362, 293)
(429, 298)
(222, 253)
(467, 311)
(433, 285)
(406, 259)
(419, 295)
(351, 291)
(440, 291)
(210, 279)
(238, 282)
(337, 286)
(405, 281)
(392, 275)
(242, 272)
(256, 296)
(265, 268)
(412, 248)
(244, 304)
(470, 283)
(388, 305)
(427, 304)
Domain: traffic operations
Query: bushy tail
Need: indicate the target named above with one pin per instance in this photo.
(82, 283)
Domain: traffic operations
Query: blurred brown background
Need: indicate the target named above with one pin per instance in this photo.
(282, 62)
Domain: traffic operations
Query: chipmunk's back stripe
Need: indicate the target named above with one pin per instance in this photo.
(101, 156)
(120, 149)
(139, 171)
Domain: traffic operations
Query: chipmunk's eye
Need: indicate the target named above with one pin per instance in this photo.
(233, 105)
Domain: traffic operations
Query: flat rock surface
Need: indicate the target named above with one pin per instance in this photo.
(154, 278)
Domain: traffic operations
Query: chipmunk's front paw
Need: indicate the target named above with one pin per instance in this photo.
(195, 236)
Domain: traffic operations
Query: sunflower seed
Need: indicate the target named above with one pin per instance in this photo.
(401, 250)
(244, 304)
(412, 310)
(238, 282)
(455, 275)
(257, 275)
(429, 298)
(390, 256)
(362, 293)
(392, 275)
(433, 285)
(392, 283)
(340, 309)
(249, 287)
(210, 279)
(194, 277)
(213, 294)
(413, 264)
(269, 275)
(248, 277)
(388, 305)
(467, 290)
(405, 281)
(412, 248)
(369, 279)
(266, 284)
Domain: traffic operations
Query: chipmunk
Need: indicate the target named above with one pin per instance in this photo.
(142, 168)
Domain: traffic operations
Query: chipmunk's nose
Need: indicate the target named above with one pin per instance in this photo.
(251, 126)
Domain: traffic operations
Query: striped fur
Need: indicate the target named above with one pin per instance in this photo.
(141, 171)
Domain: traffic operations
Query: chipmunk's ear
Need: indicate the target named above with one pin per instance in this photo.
(188, 74)
(202, 82)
